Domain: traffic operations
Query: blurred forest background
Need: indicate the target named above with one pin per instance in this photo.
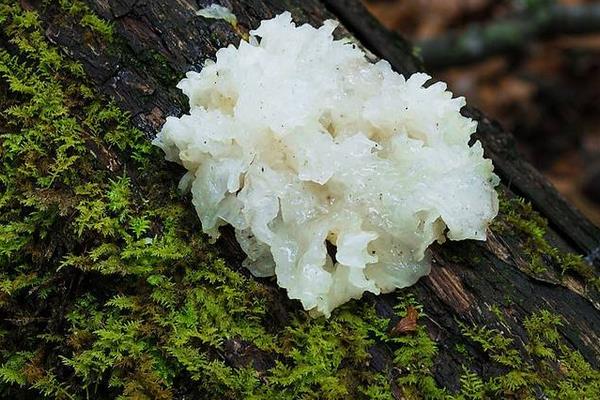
(534, 65)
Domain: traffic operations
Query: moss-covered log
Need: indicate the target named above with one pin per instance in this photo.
(108, 289)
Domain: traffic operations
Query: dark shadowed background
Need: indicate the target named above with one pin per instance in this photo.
(532, 64)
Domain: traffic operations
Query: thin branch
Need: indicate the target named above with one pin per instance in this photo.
(508, 35)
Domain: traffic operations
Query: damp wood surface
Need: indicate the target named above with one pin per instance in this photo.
(488, 283)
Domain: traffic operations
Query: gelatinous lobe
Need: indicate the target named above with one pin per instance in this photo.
(295, 139)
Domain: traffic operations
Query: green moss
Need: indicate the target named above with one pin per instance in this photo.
(471, 384)
(88, 19)
(517, 217)
(413, 354)
(497, 312)
(495, 343)
(545, 364)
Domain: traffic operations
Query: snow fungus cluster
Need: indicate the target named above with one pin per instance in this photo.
(296, 139)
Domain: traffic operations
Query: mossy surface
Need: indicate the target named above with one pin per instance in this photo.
(548, 368)
(518, 218)
(108, 290)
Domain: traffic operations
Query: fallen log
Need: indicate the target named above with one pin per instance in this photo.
(87, 310)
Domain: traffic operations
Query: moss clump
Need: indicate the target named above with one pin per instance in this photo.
(518, 217)
(414, 355)
(548, 367)
(88, 19)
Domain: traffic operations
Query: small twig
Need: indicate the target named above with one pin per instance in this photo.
(508, 35)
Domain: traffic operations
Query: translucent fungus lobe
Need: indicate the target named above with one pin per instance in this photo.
(295, 139)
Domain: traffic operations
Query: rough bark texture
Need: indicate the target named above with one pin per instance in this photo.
(468, 279)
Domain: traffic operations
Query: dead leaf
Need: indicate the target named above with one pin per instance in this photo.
(407, 324)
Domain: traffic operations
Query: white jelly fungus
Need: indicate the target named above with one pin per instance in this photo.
(216, 11)
(296, 139)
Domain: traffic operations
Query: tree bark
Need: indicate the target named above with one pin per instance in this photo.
(468, 280)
